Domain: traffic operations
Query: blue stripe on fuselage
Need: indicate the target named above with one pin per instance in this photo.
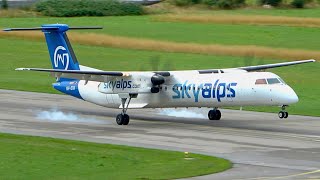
(69, 87)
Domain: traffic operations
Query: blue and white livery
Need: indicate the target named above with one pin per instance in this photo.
(166, 89)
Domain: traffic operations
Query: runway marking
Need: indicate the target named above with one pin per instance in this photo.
(281, 177)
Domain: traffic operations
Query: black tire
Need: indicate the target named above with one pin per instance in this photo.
(119, 119)
(211, 115)
(281, 114)
(285, 115)
(218, 115)
(126, 119)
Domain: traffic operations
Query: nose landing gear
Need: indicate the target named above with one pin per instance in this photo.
(283, 113)
(214, 114)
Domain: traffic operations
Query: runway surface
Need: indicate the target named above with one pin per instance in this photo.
(260, 145)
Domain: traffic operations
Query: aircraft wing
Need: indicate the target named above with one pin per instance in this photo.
(78, 74)
(269, 66)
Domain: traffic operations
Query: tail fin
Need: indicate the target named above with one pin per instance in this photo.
(60, 50)
(61, 53)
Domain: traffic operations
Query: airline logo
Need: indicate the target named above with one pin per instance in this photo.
(217, 90)
(61, 58)
(118, 84)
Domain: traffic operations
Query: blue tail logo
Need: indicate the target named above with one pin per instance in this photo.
(61, 58)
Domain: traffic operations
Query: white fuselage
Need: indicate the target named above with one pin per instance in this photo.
(190, 89)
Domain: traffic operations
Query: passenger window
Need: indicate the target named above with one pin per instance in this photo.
(261, 81)
(273, 81)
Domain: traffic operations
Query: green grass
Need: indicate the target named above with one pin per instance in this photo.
(306, 12)
(303, 78)
(146, 27)
(27, 157)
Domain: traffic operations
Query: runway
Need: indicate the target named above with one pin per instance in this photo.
(260, 145)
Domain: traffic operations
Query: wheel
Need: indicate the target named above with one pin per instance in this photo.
(212, 115)
(281, 114)
(126, 119)
(218, 115)
(285, 115)
(120, 119)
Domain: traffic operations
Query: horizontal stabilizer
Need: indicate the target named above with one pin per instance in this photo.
(268, 66)
(30, 29)
(51, 28)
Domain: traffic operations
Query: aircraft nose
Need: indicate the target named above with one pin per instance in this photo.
(291, 96)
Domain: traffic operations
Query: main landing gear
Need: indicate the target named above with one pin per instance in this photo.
(214, 114)
(123, 118)
(283, 113)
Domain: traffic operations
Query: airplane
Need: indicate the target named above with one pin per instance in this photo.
(213, 88)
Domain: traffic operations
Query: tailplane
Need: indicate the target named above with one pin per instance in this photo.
(60, 50)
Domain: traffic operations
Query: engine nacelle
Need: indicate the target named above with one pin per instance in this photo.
(157, 80)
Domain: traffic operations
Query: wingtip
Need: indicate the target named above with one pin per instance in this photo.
(308, 60)
(7, 29)
(21, 69)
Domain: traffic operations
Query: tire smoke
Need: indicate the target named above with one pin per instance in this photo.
(57, 115)
(186, 113)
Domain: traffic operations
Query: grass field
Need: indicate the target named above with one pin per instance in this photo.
(26, 157)
(147, 27)
(241, 19)
(104, 40)
(306, 12)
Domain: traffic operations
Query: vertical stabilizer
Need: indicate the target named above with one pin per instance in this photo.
(61, 53)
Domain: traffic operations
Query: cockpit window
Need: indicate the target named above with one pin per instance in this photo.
(261, 81)
(282, 81)
(273, 81)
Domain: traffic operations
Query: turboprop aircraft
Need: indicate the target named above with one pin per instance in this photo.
(212, 88)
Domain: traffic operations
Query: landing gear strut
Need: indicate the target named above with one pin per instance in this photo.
(123, 118)
(214, 114)
(283, 113)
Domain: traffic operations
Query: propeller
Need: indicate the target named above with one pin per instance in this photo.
(159, 76)
(157, 64)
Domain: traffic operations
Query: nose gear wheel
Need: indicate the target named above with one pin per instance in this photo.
(283, 113)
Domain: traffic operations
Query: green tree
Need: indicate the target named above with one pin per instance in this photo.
(4, 4)
(271, 2)
(298, 3)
